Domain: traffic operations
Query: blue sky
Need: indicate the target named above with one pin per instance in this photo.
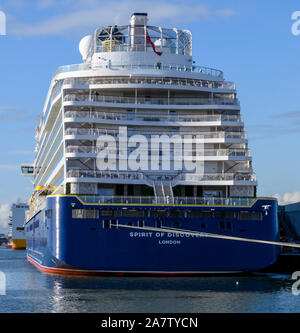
(251, 41)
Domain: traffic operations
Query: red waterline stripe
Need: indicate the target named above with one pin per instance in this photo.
(60, 270)
(65, 271)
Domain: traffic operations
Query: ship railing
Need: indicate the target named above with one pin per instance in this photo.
(153, 117)
(56, 90)
(240, 176)
(115, 133)
(72, 68)
(187, 152)
(127, 47)
(243, 176)
(39, 204)
(157, 81)
(158, 66)
(219, 152)
(73, 173)
(145, 100)
(166, 200)
(171, 67)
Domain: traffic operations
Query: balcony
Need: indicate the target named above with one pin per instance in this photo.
(166, 200)
(215, 73)
(109, 176)
(115, 133)
(235, 153)
(245, 178)
(249, 177)
(149, 118)
(86, 82)
(72, 68)
(151, 101)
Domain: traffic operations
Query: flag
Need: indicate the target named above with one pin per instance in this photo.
(149, 41)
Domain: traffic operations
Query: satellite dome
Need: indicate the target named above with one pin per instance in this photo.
(85, 45)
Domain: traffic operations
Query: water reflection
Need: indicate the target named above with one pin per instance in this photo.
(197, 294)
(29, 290)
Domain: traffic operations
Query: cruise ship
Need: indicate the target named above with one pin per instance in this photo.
(142, 164)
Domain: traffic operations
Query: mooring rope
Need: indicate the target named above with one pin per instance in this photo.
(208, 235)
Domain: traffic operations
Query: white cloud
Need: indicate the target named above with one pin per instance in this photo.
(90, 14)
(9, 167)
(226, 12)
(4, 214)
(6, 114)
(45, 3)
(7, 107)
(14, 153)
(288, 198)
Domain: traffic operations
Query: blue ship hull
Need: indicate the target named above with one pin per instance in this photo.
(58, 242)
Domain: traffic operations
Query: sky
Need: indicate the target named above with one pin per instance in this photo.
(252, 41)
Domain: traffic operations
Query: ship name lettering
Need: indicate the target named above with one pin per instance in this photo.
(169, 242)
(140, 234)
(172, 234)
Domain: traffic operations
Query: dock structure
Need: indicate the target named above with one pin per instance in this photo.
(16, 225)
(289, 219)
(289, 223)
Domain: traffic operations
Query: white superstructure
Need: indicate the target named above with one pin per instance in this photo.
(141, 78)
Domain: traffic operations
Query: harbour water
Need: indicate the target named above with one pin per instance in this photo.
(30, 291)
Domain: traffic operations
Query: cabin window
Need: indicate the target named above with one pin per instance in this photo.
(250, 216)
(129, 114)
(114, 224)
(176, 224)
(228, 226)
(85, 214)
(177, 213)
(106, 212)
(224, 214)
(106, 224)
(159, 213)
(134, 213)
(222, 226)
(110, 212)
(172, 114)
(48, 213)
(27, 170)
(200, 214)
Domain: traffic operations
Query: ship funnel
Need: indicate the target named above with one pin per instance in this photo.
(138, 19)
(138, 23)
